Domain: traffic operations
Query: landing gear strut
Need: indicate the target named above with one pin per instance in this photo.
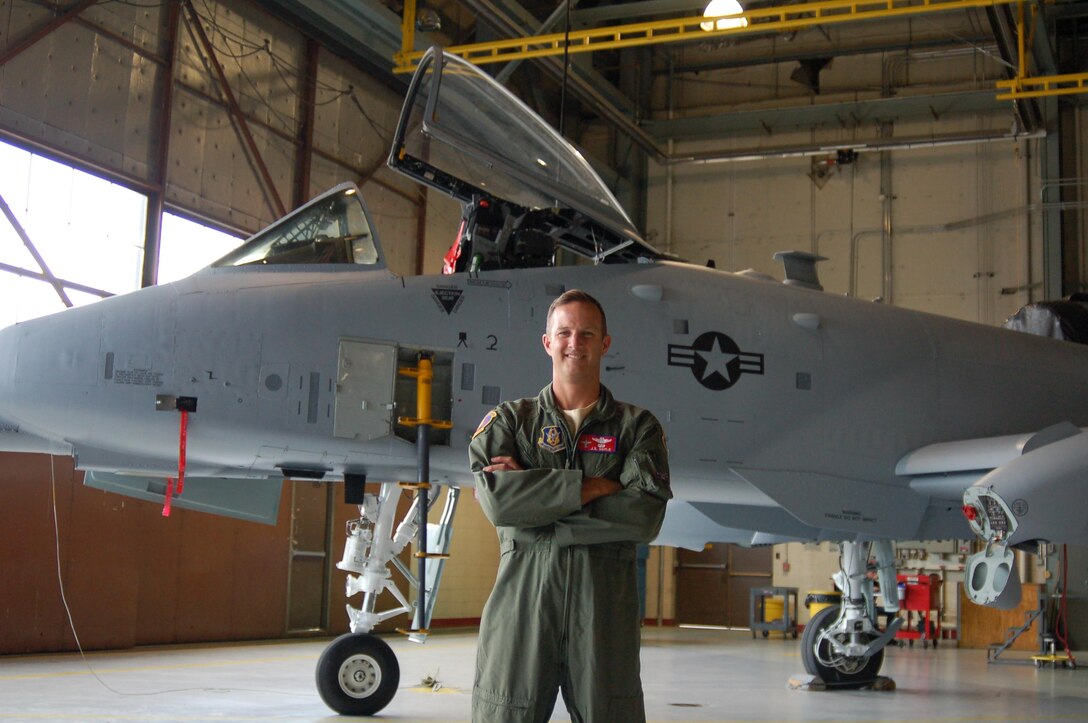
(358, 673)
(842, 645)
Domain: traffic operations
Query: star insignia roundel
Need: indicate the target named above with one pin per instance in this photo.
(715, 360)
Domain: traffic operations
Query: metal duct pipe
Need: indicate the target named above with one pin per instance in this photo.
(878, 144)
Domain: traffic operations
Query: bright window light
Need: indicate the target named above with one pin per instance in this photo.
(718, 8)
(87, 230)
(187, 247)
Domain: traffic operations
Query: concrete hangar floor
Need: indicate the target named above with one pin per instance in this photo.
(688, 675)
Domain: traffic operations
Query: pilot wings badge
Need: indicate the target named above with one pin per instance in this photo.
(597, 443)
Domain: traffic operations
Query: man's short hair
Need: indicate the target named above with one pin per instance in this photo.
(570, 297)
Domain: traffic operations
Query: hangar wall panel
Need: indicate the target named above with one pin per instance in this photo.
(221, 176)
(965, 226)
(70, 91)
(964, 208)
(470, 572)
(398, 227)
(131, 577)
(962, 231)
(354, 117)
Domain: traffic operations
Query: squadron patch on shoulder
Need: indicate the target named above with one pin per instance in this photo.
(485, 422)
(550, 439)
(598, 443)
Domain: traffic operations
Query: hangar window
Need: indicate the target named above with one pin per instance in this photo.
(67, 237)
(332, 229)
(187, 246)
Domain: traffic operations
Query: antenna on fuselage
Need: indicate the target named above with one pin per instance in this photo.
(800, 267)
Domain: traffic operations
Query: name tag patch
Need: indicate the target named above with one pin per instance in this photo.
(551, 440)
(598, 443)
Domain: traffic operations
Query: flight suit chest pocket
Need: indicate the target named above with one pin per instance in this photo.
(543, 452)
(600, 465)
(600, 455)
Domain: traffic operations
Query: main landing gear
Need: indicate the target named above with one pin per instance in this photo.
(842, 645)
(358, 673)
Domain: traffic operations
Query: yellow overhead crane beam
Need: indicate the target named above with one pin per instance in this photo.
(761, 20)
(1043, 85)
(1023, 86)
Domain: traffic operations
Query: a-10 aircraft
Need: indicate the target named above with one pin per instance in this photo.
(791, 414)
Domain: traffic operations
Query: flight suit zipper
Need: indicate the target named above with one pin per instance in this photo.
(571, 447)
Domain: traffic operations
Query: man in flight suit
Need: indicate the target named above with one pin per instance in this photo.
(572, 480)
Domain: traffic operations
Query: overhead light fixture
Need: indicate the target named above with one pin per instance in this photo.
(428, 20)
(726, 8)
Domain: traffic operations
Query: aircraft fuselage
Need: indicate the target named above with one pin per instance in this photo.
(772, 396)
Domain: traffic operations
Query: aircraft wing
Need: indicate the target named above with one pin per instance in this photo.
(692, 525)
(1038, 476)
(1030, 481)
(253, 500)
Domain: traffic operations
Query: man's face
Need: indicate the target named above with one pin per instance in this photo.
(576, 342)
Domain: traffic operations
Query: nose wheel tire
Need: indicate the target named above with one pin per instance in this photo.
(357, 675)
(847, 672)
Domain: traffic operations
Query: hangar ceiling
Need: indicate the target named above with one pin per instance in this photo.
(636, 89)
(271, 101)
(889, 78)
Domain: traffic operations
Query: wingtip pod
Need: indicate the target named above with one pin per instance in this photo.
(1024, 500)
(1030, 497)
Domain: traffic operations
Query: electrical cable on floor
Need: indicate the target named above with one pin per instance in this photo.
(75, 635)
(60, 581)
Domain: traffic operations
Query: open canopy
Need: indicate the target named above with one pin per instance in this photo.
(466, 135)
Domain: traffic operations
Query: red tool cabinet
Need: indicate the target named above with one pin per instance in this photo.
(921, 597)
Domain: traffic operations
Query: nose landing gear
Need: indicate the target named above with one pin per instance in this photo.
(358, 674)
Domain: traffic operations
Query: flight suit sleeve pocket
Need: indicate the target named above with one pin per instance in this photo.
(647, 471)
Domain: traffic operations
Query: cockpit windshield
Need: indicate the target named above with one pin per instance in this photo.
(332, 229)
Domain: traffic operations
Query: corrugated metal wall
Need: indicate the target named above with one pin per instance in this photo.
(93, 90)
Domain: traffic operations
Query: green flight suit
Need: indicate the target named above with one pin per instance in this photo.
(564, 611)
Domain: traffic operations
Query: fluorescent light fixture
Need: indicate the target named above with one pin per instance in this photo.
(718, 8)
